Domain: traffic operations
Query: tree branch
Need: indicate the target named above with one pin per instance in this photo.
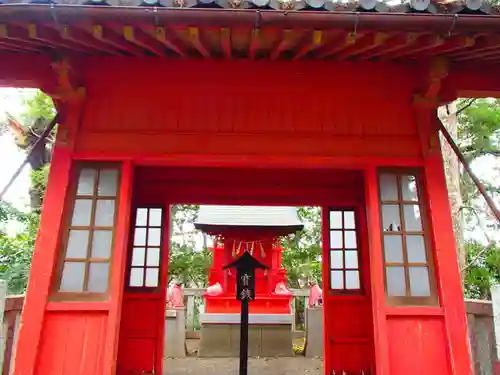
(481, 152)
(464, 107)
(488, 238)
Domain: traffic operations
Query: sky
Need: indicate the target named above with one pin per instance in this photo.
(11, 101)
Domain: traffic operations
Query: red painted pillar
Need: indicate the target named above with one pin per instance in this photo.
(376, 272)
(327, 366)
(448, 273)
(118, 268)
(46, 246)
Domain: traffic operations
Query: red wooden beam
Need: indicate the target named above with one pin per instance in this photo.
(394, 44)
(80, 37)
(423, 43)
(52, 38)
(160, 34)
(483, 45)
(254, 43)
(110, 38)
(19, 36)
(486, 49)
(368, 43)
(453, 44)
(313, 42)
(14, 43)
(345, 40)
(15, 47)
(483, 55)
(138, 38)
(283, 43)
(225, 35)
(194, 36)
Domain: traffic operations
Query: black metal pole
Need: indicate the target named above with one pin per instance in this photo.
(244, 338)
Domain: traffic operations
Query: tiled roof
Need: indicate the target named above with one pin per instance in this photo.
(413, 6)
(214, 216)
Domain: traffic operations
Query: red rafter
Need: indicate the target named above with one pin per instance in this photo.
(312, 42)
(52, 37)
(254, 43)
(20, 35)
(423, 43)
(338, 44)
(161, 35)
(140, 39)
(458, 42)
(483, 55)
(282, 45)
(366, 44)
(483, 46)
(394, 44)
(194, 37)
(225, 36)
(80, 37)
(109, 37)
(17, 46)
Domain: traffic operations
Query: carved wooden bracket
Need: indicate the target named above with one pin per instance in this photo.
(438, 70)
(68, 88)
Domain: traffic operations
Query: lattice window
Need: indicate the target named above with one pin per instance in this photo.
(89, 239)
(344, 251)
(408, 264)
(146, 250)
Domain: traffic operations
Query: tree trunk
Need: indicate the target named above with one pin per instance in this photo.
(448, 116)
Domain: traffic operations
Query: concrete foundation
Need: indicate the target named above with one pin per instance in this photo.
(314, 334)
(268, 336)
(175, 334)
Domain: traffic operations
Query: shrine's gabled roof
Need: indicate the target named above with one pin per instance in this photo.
(417, 30)
(212, 218)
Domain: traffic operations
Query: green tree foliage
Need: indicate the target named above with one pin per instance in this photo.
(302, 251)
(37, 105)
(479, 137)
(189, 266)
(483, 269)
(187, 263)
(16, 250)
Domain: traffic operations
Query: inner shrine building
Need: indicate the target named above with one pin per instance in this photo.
(259, 231)
(257, 103)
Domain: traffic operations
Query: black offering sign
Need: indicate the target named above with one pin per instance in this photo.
(245, 291)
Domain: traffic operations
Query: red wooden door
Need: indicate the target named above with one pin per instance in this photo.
(348, 319)
(143, 310)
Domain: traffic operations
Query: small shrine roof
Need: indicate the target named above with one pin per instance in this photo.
(212, 218)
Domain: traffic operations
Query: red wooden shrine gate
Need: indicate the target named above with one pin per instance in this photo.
(196, 121)
(151, 180)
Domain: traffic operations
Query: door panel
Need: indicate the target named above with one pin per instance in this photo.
(140, 348)
(346, 291)
(138, 356)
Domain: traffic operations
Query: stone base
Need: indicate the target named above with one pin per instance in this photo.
(175, 334)
(314, 335)
(223, 340)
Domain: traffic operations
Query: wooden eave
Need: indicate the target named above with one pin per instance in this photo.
(236, 30)
(246, 33)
